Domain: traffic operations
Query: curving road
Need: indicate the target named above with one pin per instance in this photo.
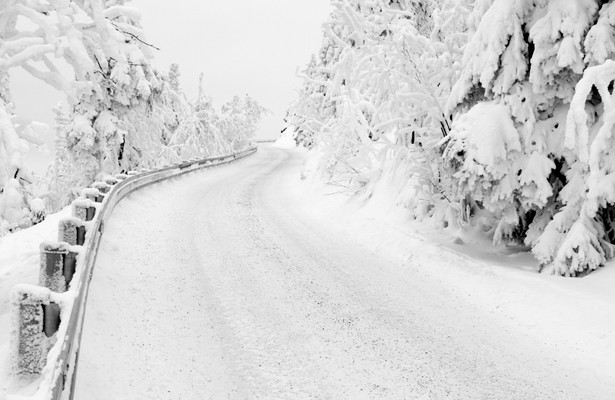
(223, 285)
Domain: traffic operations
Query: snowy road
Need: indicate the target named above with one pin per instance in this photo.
(224, 284)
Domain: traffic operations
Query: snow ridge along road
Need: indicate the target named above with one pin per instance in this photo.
(222, 284)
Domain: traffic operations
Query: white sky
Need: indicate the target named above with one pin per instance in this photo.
(242, 46)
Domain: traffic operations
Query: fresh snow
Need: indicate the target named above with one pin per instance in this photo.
(245, 282)
(19, 264)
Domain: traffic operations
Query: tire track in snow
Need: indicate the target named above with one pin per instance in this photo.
(232, 289)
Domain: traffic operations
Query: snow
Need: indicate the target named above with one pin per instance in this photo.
(276, 287)
(20, 264)
(285, 141)
(488, 133)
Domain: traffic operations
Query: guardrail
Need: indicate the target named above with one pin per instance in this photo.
(49, 317)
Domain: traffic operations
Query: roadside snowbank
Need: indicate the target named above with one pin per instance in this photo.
(573, 316)
(20, 263)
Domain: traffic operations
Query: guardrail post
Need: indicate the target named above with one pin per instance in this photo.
(84, 209)
(111, 181)
(92, 194)
(36, 311)
(51, 274)
(58, 265)
(102, 187)
(72, 231)
(37, 318)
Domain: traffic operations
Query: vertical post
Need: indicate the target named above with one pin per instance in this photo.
(57, 266)
(71, 231)
(102, 187)
(111, 181)
(51, 318)
(91, 194)
(52, 262)
(84, 209)
(29, 345)
(69, 267)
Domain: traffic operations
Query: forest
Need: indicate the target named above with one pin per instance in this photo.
(491, 116)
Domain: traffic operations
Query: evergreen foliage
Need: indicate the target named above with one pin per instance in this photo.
(484, 114)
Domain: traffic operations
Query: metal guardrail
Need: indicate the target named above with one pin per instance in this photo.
(59, 372)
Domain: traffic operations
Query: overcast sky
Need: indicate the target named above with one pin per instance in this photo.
(242, 46)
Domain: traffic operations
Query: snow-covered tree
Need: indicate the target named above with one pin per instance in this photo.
(59, 175)
(372, 104)
(205, 131)
(534, 96)
(18, 208)
(14, 210)
(240, 118)
(122, 113)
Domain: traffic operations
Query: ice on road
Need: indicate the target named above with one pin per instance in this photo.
(222, 284)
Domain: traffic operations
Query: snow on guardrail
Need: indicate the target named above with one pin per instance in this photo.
(48, 318)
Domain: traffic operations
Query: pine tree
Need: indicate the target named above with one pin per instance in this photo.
(529, 60)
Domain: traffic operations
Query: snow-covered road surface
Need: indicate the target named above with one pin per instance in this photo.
(225, 284)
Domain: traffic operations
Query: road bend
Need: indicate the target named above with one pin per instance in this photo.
(220, 285)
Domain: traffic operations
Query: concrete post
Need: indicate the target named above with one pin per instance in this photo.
(102, 187)
(111, 181)
(29, 343)
(70, 266)
(51, 318)
(57, 266)
(51, 274)
(91, 194)
(72, 231)
(84, 209)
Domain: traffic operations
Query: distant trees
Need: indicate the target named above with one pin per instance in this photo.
(493, 114)
(122, 112)
(210, 132)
